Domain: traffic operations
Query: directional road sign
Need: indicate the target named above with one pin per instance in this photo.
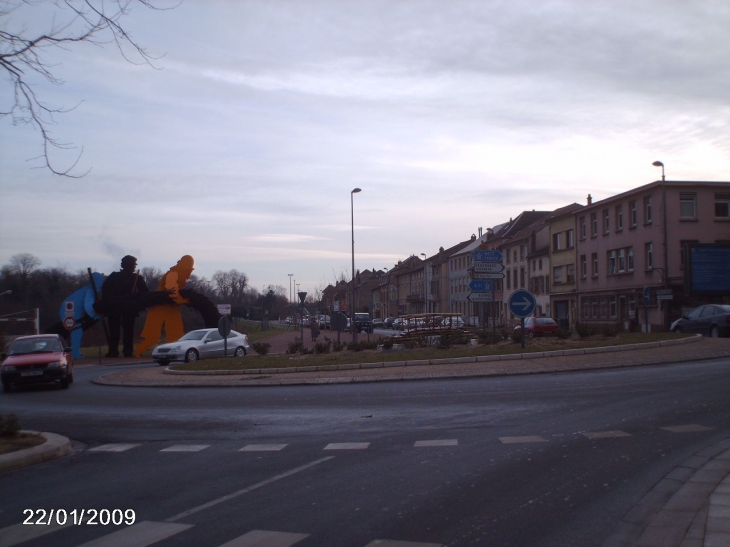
(481, 255)
(479, 275)
(647, 296)
(480, 285)
(522, 303)
(479, 296)
(488, 267)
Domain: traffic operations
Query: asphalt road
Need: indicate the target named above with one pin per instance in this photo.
(544, 460)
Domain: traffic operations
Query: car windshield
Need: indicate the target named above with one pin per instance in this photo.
(194, 335)
(35, 345)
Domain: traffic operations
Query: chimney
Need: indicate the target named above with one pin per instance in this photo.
(589, 199)
(480, 231)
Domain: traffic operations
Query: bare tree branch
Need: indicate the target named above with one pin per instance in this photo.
(23, 51)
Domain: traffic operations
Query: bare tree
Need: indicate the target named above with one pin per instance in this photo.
(23, 265)
(23, 50)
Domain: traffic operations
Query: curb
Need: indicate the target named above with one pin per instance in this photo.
(54, 447)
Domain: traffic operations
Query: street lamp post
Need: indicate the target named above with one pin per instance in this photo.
(666, 250)
(290, 276)
(352, 224)
(425, 284)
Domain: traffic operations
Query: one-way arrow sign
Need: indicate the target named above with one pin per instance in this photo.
(522, 303)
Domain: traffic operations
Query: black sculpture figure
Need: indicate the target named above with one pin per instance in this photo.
(120, 285)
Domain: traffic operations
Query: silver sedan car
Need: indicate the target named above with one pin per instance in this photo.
(201, 344)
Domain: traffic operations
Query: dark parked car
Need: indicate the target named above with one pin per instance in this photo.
(538, 326)
(363, 323)
(388, 322)
(377, 323)
(37, 359)
(709, 320)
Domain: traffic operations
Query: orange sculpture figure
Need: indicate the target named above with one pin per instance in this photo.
(169, 316)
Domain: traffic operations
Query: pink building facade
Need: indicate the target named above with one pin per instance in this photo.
(633, 244)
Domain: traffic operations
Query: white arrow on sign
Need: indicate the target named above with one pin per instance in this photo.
(488, 267)
(525, 304)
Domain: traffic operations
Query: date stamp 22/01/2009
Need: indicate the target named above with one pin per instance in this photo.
(78, 517)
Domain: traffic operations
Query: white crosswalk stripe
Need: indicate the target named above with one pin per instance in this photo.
(262, 448)
(264, 538)
(606, 434)
(438, 442)
(185, 448)
(392, 543)
(688, 428)
(114, 447)
(19, 533)
(525, 439)
(347, 446)
(139, 535)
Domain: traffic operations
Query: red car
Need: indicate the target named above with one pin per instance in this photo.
(539, 326)
(37, 359)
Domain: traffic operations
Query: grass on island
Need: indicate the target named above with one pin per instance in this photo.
(20, 441)
(253, 361)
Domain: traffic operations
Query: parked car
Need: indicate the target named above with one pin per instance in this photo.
(37, 359)
(324, 321)
(201, 344)
(388, 322)
(709, 320)
(538, 326)
(363, 323)
(398, 324)
(377, 323)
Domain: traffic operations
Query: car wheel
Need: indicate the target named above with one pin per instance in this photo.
(7, 387)
(163, 362)
(191, 355)
(714, 332)
(240, 352)
(65, 383)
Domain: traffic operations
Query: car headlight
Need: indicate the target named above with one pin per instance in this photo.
(8, 368)
(176, 348)
(55, 364)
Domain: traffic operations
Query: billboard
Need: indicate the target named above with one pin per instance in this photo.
(707, 270)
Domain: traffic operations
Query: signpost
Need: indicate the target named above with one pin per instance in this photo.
(646, 293)
(522, 303)
(484, 255)
(479, 297)
(488, 267)
(224, 329)
(481, 285)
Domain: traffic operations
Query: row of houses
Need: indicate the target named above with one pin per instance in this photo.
(617, 261)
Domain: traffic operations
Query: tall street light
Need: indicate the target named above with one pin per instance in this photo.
(290, 276)
(352, 223)
(425, 293)
(666, 250)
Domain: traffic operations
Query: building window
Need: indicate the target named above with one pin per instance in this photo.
(514, 255)
(632, 214)
(688, 205)
(611, 262)
(570, 273)
(523, 251)
(570, 239)
(508, 254)
(508, 277)
(622, 260)
(722, 205)
(557, 275)
(632, 305)
(649, 256)
(539, 264)
(594, 224)
(582, 223)
(630, 257)
(647, 210)
(522, 277)
(557, 241)
(594, 262)
(612, 307)
(605, 221)
(583, 266)
(619, 218)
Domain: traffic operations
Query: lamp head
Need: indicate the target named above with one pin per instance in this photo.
(355, 191)
(658, 164)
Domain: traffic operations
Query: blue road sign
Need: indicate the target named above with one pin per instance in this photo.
(487, 255)
(647, 296)
(522, 303)
(480, 285)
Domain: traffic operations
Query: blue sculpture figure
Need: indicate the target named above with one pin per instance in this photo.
(83, 311)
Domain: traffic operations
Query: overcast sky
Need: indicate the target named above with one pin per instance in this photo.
(451, 115)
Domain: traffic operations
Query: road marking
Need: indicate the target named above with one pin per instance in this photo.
(606, 434)
(263, 538)
(237, 493)
(262, 447)
(139, 535)
(185, 448)
(525, 439)
(114, 447)
(438, 442)
(19, 533)
(347, 446)
(393, 543)
(689, 428)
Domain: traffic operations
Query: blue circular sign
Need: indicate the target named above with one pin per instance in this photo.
(522, 303)
(647, 296)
